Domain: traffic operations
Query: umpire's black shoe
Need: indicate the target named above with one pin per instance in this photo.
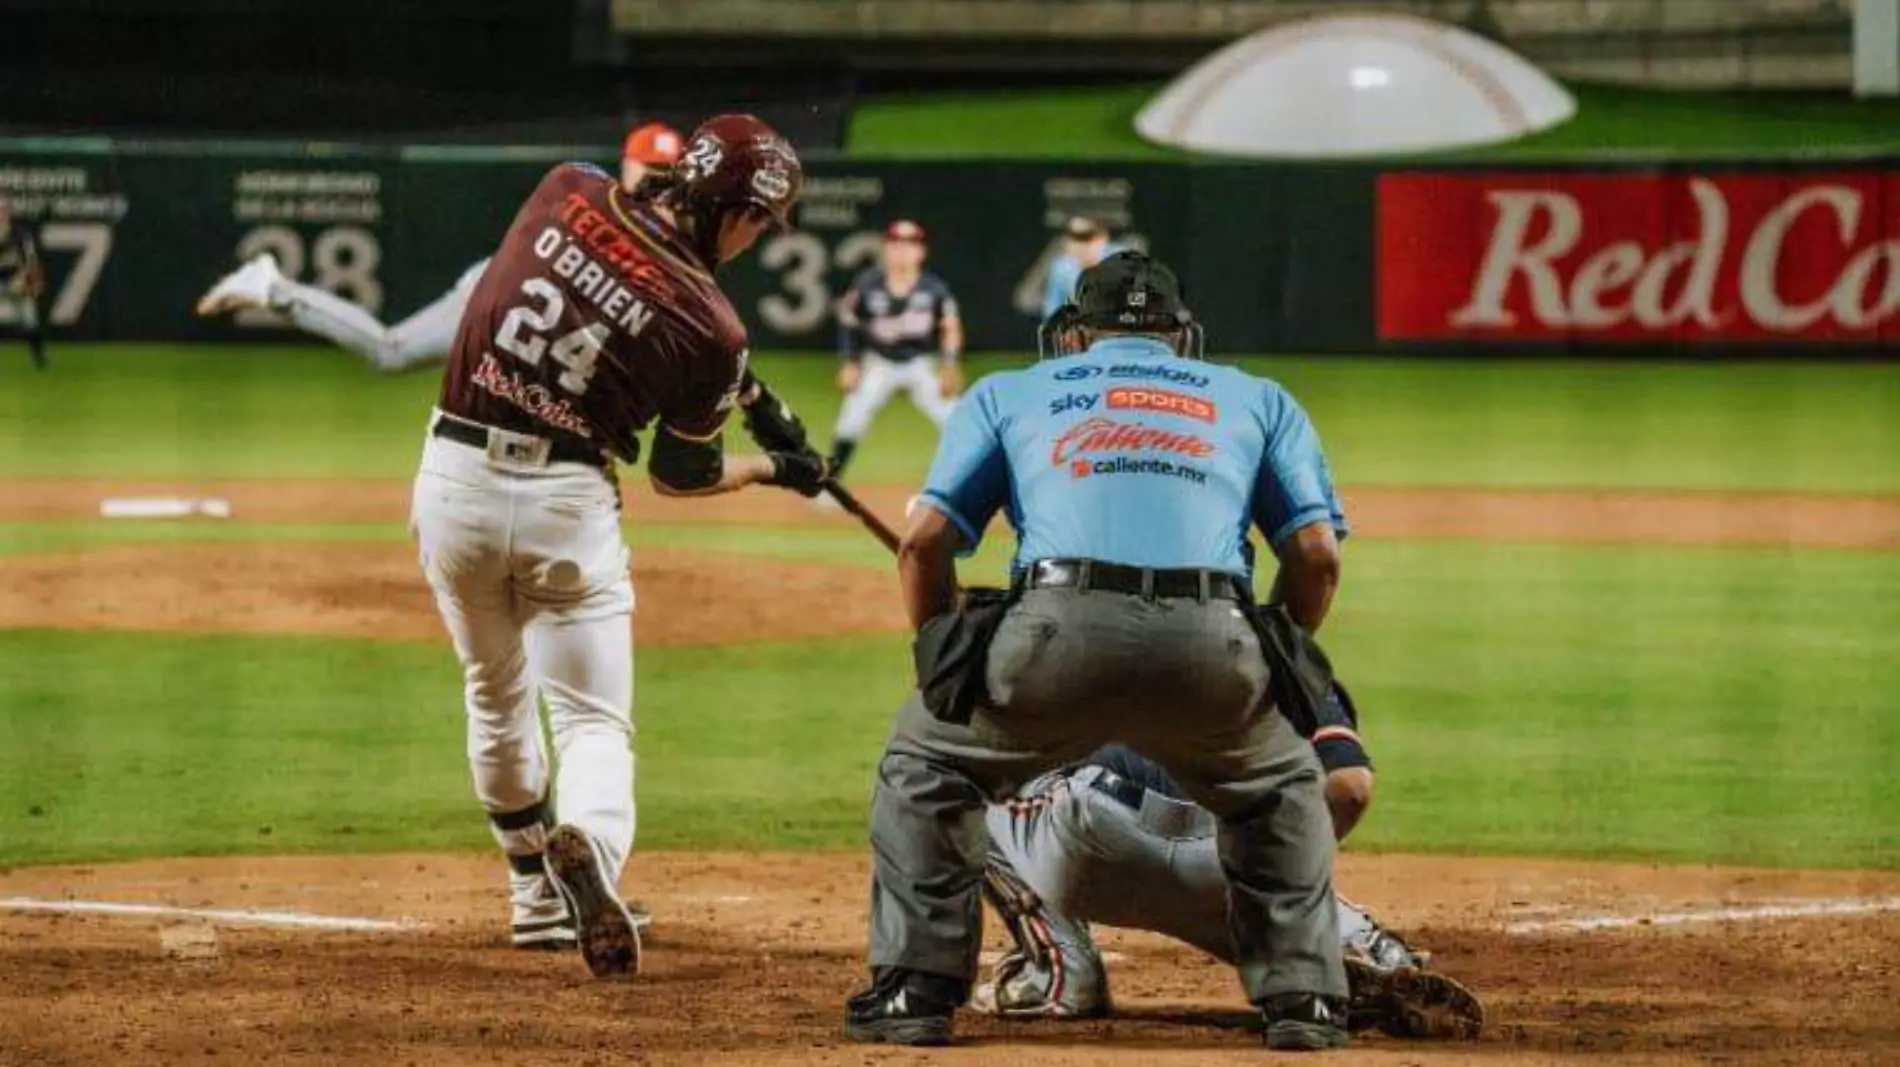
(903, 1008)
(1304, 1022)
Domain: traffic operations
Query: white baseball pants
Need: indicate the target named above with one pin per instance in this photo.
(530, 575)
(883, 380)
(426, 335)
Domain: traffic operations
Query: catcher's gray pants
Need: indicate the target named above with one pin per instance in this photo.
(1091, 858)
(1181, 682)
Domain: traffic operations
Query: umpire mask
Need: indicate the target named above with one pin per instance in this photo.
(1128, 292)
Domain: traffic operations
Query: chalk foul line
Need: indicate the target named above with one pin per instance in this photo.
(296, 920)
(1754, 913)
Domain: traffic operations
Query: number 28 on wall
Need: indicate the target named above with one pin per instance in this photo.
(341, 260)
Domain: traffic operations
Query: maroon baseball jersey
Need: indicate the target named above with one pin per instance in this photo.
(592, 321)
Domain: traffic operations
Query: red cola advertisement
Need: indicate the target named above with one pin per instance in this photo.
(1686, 258)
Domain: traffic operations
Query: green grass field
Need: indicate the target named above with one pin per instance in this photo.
(1098, 123)
(1680, 703)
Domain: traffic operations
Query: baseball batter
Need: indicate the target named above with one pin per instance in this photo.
(424, 336)
(898, 331)
(23, 282)
(1114, 841)
(598, 318)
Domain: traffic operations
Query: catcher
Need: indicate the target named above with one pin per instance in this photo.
(898, 331)
(1114, 841)
(23, 282)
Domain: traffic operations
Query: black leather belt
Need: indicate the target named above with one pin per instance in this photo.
(1087, 574)
(474, 434)
(1119, 789)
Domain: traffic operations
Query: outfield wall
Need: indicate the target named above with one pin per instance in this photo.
(1716, 259)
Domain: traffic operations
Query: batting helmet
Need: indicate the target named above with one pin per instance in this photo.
(735, 160)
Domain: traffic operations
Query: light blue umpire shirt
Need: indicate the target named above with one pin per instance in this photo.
(1129, 454)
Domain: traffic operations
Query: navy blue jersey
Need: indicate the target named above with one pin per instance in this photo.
(18, 253)
(872, 318)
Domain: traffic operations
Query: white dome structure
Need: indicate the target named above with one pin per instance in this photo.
(1354, 85)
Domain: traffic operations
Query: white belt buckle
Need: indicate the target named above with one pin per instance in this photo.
(517, 449)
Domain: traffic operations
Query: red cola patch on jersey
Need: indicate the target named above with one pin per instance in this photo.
(530, 397)
(1163, 401)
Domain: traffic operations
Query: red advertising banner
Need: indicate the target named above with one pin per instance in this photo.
(1686, 258)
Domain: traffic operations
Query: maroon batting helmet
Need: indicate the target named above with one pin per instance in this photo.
(735, 160)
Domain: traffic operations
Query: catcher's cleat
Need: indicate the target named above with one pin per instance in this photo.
(244, 288)
(1384, 949)
(1410, 1002)
(609, 938)
(1303, 1022)
(902, 1008)
(1060, 986)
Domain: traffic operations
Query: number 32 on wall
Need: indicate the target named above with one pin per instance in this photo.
(804, 301)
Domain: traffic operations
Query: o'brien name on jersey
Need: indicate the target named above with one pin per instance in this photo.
(586, 276)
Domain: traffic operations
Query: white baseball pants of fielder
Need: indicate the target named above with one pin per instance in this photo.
(883, 379)
(530, 574)
(426, 335)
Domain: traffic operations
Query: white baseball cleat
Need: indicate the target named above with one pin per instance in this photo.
(609, 937)
(244, 288)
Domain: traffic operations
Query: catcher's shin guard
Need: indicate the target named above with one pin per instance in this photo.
(1053, 972)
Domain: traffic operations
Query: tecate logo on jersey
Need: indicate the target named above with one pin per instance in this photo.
(1161, 400)
(1136, 371)
(1096, 434)
(1707, 258)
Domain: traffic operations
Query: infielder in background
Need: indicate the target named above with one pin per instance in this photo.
(1116, 842)
(599, 317)
(1131, 477)
(898, 331)
(1085, 243)
(23, 282)
(424, 336)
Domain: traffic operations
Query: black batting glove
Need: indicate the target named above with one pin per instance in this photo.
(771, 423)
(803, 472)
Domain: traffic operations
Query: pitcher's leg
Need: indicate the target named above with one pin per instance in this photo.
(426, 335)
(330, 316)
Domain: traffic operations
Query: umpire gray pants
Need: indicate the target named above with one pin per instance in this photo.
(1180, 681)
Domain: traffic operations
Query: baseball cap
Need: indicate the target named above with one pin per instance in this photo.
(1082, 228)
(656, 144)
(904, 230)
(1129, 290)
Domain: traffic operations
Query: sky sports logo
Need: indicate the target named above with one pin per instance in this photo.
(1089, 468)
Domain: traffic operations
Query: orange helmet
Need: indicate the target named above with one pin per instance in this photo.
(656, 144)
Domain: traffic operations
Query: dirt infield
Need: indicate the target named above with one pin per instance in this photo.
(751, 957)
(1577, 516)
(376, 590)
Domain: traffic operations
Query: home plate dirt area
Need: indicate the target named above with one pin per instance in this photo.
(751, 956)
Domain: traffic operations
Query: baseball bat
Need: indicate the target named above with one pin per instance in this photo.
(885, 535)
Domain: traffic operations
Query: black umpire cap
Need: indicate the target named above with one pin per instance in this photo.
(1130, 291)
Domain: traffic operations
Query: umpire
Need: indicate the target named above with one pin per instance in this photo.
(1131, 477)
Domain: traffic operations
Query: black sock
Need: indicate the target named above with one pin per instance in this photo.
(841, 450)
(36, 346)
